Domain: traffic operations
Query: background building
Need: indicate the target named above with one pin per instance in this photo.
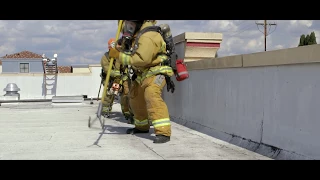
(22, 62)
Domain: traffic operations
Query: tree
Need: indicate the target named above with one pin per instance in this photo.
(308, 40)
(302, 38)
(313, 39)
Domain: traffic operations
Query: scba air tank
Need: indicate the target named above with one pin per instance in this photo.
(178, 65)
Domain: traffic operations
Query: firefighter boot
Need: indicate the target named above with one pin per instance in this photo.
(135, 131)
(161, 139)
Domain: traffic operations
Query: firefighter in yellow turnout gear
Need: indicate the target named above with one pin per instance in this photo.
(116, 75)
(124, 98)
(145, 93)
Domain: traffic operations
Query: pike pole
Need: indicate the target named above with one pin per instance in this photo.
(99, 112)
(110, 67)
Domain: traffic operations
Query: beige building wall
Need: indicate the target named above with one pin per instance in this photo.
(194, 46)
(81, 70)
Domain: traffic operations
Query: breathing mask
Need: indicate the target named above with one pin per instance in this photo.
(129, 29)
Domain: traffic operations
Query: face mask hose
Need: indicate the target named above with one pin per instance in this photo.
(124, 46)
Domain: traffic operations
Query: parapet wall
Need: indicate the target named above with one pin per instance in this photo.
(68, 84)
(266, 102)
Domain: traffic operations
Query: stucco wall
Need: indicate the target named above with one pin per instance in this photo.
(68, 84)
(266, 102)
(80, 70)
(13, 65)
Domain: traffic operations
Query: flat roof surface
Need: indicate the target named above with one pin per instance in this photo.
(60, 132)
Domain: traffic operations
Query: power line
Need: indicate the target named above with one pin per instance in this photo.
(241, 22)
(243, 30)
(265, 24)
(229, 30)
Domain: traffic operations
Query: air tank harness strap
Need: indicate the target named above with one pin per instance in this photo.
(147, 29)
(170, 83)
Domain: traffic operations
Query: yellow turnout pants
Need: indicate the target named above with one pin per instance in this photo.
(147, 104)
(125, 99)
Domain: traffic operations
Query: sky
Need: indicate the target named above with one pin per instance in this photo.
(85, 41)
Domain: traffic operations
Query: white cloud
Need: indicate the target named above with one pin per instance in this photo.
(7, 49)
(85, 41)
(3, 24)
(307, 23)
(279, 46)
(80, 59)
(45, 40)
(253, 44)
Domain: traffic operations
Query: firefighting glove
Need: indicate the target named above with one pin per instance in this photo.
(119, 42)
(103, 75)
(113, 53)
(134, 77)
(170, 84)
(103, 79)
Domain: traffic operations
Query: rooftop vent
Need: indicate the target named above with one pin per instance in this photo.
(12, 90)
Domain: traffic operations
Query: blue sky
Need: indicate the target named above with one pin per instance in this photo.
(85, 41)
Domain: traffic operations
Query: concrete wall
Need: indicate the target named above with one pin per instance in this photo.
(266, 102)
(13, 65)
(68, 84)
(0, 68)
(80, 70)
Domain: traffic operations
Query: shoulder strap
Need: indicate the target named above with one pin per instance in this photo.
(106, 54)
(147, 29)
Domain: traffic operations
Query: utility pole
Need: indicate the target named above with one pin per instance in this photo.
(265, 24)
(265, 35)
